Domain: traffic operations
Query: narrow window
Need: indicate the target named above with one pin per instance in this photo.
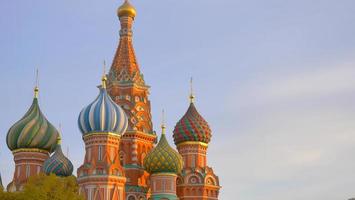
(18, 171)
(193, 160)
(27, 171)
(89, 154)
(112, 153)
(100, 152)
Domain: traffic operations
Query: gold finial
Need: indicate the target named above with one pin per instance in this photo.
(59, 138)
(126, 9)
(192, 96)
(163, 122)
(36, 90)
(104, 78)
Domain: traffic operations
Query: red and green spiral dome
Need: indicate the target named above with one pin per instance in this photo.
(192, 127)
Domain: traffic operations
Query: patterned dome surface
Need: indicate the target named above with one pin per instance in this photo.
(58, 164)
(163, 159)
(192, 127)
(102, 115)
(33, 130)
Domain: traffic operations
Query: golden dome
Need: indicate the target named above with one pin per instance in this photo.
(126, 10)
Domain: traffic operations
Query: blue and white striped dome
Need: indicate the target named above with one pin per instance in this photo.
(102, 115)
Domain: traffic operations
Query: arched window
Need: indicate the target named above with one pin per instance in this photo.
(179, 181)
(210, 181)
(131, 197)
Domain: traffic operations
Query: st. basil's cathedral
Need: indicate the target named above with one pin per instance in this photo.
(121, 159)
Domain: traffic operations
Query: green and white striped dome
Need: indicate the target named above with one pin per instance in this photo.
(33, 130)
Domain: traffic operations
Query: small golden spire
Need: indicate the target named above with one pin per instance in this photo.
(59, 138)
(192, 96)
(36, 89)
(163, 122)
(104, 78)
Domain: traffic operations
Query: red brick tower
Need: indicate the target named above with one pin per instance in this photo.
(127, 88)
(31, 139)
(102, 123)
(163, 163)
(192, 134)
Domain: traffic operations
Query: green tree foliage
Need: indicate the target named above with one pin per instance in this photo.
(44, 187)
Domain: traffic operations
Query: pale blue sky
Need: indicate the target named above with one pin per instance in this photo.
(275, 80)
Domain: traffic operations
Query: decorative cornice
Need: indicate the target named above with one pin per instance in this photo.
(139, 135)
(198, 185)
(128, 167)
(98, 178)
(101, 134)
(129, 85)
(192, 143)
(163, 174)
(30, 150)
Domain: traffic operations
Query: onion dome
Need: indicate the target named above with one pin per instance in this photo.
(58, 164)
(102, 115)
(192, 126)
(33, 130)
(163, 158)
(126, 9)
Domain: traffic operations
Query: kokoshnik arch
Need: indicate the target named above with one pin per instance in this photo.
(121, 160)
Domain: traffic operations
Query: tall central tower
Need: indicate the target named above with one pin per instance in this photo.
(127, 88)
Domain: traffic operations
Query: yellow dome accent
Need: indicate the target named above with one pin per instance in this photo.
(126, 9)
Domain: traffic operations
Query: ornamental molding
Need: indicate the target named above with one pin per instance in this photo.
(33, 150)
(124, 79)
(192, 144)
